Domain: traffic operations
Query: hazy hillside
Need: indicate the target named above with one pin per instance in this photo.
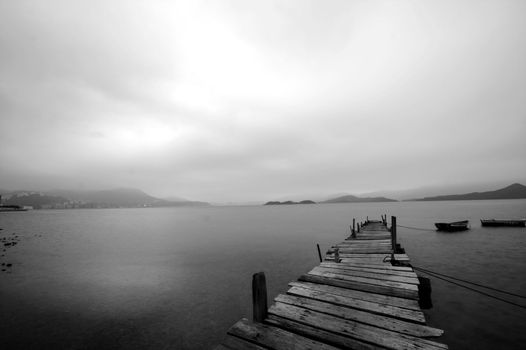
(114, 198)
(307, 201)
(353, 199)
(514, 191)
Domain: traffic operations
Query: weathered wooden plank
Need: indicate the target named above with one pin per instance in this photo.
(362, 248)
(318, 271)
(371, 261)
(320, 334)
(378, 276)
(359, 285)
(362, 238)
(386, 266)
(357, 261)
(358, 250)
(353, 242)
(385, 251)
(352, 329)
(362, 244)
(416, 316)
(364, 257)
(381, 256)
(367, 269)
(367, 260)
(380, 321)
(373, 233)
(275, 338)
(364, 262)
(360, 295)
(235, 343)
(365, 239)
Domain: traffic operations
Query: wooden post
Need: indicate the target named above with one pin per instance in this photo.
(358, 228)
(367, 218)
(259, 297)
(319, 252)
(424, 293)
(337, 255)
(354, 227)
(393, 232)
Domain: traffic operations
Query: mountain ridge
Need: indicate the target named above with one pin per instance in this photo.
(354, 199)
(513, 191)
(110, 198)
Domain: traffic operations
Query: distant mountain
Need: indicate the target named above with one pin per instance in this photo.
(120, 197)
(514, 191)
(115, 198)
(437, 190)
(315, 197)
(353, 199)
(290, 202)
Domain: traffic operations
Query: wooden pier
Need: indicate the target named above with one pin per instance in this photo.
(361, 296)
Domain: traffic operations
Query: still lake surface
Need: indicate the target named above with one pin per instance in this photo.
(178, 278)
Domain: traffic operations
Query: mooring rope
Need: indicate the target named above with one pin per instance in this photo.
(437, 275)
(416, 228)
(473, 283)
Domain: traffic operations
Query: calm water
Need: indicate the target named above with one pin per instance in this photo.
(179, 277)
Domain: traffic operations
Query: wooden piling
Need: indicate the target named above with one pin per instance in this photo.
(319, 252)
(259, 297)
(393, 232)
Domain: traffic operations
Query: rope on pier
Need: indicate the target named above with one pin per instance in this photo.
(437, 275)
(473, 283)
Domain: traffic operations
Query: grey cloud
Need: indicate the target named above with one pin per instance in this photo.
(237, 100)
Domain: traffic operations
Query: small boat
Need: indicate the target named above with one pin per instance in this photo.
(12, 208)
(494, 222)
(452, 226)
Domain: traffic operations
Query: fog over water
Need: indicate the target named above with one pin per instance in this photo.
(248, 100)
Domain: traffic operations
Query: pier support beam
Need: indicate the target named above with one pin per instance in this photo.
(319, 252)
(393, 233)
(259, 297)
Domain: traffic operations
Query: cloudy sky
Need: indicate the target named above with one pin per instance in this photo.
(256, 100)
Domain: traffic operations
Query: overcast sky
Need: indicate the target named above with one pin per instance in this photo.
(255, 100)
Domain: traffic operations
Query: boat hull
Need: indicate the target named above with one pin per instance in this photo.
(501, 223)
(452, 226)
(12, 208)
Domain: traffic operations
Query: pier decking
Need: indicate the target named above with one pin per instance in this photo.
(357, 298)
